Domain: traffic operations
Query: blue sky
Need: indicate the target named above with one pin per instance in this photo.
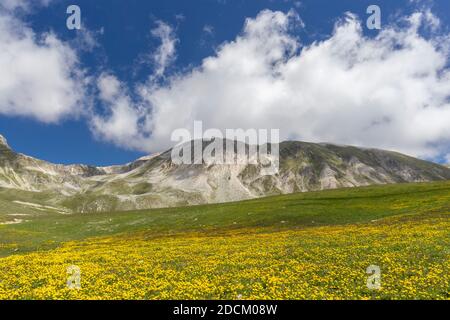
(121, 31)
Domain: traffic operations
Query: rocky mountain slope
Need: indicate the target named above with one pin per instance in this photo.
(155, 181)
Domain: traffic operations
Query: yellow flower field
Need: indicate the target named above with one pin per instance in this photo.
(257, 263)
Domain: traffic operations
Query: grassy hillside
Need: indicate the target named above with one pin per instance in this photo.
(307, 245)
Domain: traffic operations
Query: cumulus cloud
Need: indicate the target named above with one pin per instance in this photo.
(40, 75)
(126, 120)
(390, 91)
(121, 124)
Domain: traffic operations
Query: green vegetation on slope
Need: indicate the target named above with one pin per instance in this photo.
(295, 211)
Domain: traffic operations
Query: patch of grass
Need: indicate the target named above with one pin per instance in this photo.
(293, 211)
(142, 188)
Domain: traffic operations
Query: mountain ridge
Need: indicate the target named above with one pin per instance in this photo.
(155, 181)
(4, 142)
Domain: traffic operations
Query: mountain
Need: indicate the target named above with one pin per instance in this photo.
(155, 181)
(26, 173)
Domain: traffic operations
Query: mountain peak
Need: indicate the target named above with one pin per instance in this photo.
(3, 142)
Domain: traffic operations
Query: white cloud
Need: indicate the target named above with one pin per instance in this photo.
(13, 4)
(165, 54)
(121, 123)
(433, 22)
(87, 40)
(109, 87)
(40, 75)
(22, 4)
(208, 29)
(391, 91)
(126, 123)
